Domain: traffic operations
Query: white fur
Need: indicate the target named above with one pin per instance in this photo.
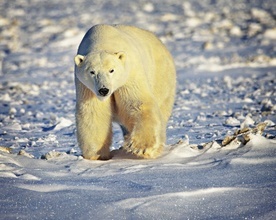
(136, 73)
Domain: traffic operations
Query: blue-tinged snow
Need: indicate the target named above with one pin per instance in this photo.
(224, 53)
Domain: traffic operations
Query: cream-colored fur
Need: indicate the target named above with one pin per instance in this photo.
(123, 74)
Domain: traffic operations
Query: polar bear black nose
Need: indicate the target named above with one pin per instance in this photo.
(103, 91)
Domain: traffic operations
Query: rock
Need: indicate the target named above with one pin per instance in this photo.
(227, 140)
(24, 153)
(267, 106)
(259, 128)
(208, 45)
(269, 123)
(241, 131)
(52, 154)
(6, 149)
(247, 122)
(254, 29)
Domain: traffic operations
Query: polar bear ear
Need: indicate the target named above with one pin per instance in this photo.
(78, 59)
(121, 55)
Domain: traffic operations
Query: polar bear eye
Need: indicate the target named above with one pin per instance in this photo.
(92, 72)
(111, 71)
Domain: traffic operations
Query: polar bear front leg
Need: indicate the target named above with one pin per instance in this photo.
(147, 137)
(94, 129)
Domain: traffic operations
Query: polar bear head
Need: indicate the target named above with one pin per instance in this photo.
(102, 72)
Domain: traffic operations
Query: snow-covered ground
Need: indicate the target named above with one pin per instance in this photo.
(225, 57)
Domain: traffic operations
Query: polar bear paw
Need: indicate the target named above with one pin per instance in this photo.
(143, 149)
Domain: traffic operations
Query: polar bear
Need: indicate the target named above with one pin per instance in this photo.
(123, 74)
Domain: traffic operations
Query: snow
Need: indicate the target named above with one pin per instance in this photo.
(219, 162)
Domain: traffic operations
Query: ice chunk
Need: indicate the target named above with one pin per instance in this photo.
(232, 122)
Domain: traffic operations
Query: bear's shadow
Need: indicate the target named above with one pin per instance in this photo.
(122, 154)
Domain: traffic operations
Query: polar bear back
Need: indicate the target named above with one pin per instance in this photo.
(116, 37)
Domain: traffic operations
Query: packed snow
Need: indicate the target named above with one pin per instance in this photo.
(219, 162)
